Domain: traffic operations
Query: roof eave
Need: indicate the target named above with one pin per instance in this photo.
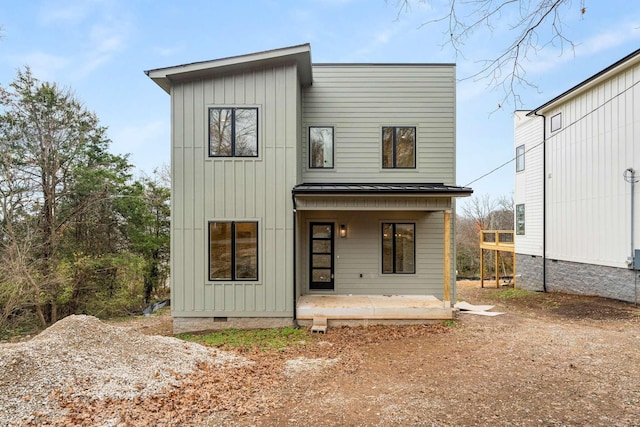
(624, 63)
(300, 55)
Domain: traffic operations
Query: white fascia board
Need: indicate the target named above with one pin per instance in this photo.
(300, 54)
(596, 79)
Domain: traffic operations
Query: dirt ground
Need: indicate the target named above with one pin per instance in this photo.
(550, 360)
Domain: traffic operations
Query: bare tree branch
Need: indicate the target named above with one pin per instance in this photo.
(533, 25)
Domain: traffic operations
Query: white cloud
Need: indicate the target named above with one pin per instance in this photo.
(377, 40)
(44, 66)
(166, 51)
(549, 59)
(617, 36)
(64, 12)
(104, 42)
(101, 25)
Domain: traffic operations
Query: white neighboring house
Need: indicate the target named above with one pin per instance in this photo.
(577, 158)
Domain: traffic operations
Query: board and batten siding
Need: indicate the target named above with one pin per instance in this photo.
(360, 253)
(358, 100)
(206, 189)
(528, 183)
(588, 212)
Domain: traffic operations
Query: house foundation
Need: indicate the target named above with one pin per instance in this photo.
(578, 278)
(200, 324)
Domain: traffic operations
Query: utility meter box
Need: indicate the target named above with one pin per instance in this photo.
(636, 259)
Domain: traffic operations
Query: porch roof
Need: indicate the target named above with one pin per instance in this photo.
(398, 189)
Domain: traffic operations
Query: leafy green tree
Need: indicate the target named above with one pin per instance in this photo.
(77, 233)
(93, 246)
(48, 140)
(147, 225)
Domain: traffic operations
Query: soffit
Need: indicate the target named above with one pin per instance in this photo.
(300, 55)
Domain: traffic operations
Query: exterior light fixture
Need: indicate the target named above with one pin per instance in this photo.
(343, 230)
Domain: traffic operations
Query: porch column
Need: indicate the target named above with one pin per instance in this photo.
(447, 259)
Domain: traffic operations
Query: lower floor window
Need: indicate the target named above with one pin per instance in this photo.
(233, 250)
(398, 248)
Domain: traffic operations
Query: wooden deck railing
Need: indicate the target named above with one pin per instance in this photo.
(496, 240)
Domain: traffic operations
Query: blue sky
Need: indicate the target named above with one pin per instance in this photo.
(100, 48)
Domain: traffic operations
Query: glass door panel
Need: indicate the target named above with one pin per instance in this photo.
(321, 256)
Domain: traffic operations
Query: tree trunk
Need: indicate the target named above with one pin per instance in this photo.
(40, 313)
(54, 312)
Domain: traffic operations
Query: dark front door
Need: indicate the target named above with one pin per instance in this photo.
(321, 254)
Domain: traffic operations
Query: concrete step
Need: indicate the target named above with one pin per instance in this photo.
(319, 325)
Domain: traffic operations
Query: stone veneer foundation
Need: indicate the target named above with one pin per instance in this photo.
(577, 278)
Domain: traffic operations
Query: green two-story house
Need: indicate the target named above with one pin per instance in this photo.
(304, 190)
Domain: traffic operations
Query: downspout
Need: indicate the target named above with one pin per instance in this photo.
(633, 257)
(544, 200)
(631, 179)
(295, 262)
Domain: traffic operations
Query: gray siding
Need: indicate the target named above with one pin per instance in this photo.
(374, 203)
(205, 189)
(358, 100)
(360, 253)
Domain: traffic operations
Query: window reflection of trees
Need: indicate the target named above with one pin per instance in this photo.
(220, 131)
(233, 132)
(233, 250)
(246, 250)
(405, 147)
(398, 147)
(398, 248)
(246, 132)
(321, 147)
(220, 250)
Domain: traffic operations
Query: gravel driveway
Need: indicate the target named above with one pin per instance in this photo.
(552, 359)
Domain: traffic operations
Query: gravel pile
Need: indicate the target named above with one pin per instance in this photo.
(81, 357)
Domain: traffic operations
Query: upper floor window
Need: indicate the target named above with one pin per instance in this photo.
(233, 132)
(320, 147)
(520, 158)
(399, 147)
(556, 122)
(233, 250)
(398, 248)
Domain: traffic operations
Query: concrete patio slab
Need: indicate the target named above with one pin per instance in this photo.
(372, 307)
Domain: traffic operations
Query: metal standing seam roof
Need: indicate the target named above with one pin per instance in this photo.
(374, 188)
